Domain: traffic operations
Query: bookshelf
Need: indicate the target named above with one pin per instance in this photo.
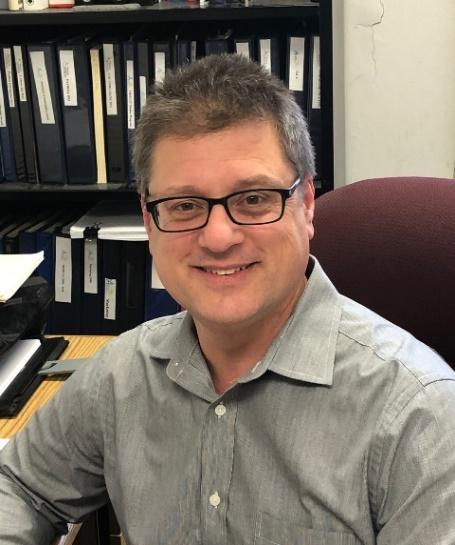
(173, 17)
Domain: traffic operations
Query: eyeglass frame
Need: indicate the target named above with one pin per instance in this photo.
(285, 193)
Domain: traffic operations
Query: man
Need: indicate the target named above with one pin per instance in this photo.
(274, 410)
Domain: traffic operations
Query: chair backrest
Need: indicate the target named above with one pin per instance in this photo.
(390, 244)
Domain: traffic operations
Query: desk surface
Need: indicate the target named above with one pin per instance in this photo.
(80, 346)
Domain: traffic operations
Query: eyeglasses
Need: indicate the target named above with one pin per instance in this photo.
(248, 207)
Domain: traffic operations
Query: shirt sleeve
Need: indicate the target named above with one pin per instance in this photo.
(52, 471)
(414, 501)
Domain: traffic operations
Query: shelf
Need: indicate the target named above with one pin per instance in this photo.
(163, 12)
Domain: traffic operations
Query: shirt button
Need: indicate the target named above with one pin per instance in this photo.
(215, 500)
(220, 410)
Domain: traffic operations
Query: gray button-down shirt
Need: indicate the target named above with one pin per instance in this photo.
(343, 434)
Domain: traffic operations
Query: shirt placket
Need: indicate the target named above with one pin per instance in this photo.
(216, 470)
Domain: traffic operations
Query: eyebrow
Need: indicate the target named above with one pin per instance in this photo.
(259, 182)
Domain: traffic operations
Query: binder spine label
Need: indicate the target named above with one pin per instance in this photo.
(90, 266)
(7, 57)
(242, 48)
(42, 87)
(63, 270)
(2, 106)
(130, 102)
(316, 83)
(296, 63)
(193, 50)
(110, 289)
(68, 75)
(266, 54)
(142, 91)
(19, 61)
(109, 79)
(160, 66)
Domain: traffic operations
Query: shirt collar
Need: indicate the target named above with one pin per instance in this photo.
(303, 350)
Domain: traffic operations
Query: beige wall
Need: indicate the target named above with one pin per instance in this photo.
(394, 88)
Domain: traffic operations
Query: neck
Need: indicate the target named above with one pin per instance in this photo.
(232, 350)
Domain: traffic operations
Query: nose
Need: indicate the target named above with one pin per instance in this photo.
(220, 233)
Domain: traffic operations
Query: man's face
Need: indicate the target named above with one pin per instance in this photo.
(226, 273)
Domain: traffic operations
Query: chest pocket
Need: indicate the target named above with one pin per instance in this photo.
(272, 531)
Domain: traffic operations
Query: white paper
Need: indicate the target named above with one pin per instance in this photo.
(15, 359)
(42, 87)
(14, 271)
(296, 63)
(316, 83)
(63, 270)
(265, 48)
(130, 102)
(142, 91)
(242, 48)
(90, 266)
(160, 66)
(2, 106)
(68, 75)
(110, 288)
(19, 61)
(3, 441)
(109, 79)
(8, 59)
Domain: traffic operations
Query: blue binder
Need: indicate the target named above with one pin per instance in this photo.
(47, 112)
(158, 302)
(77, 111)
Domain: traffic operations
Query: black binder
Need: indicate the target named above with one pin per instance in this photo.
(132, 284)
(12, 107)
(68, 261)
(158, 301)
(144, 70)
(26, 112)
(314, 100)
(268, 54)
(111, 278)
(297, 69)
(162, 59)
(91, 285)
(218, 44)
(245, 46)
(131, 99)
(47, 113)
(77, 111)
(115, 126)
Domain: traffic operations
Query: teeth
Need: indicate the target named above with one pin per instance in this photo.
(224, 272)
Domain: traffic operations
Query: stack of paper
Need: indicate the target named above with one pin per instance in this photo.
(14, 271)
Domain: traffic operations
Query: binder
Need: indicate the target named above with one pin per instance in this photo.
(162, 59)
(7, 227)
(27, 237)
(6, 144)
(98, 114)
(218, 44)
(184, 51)
(158, 301)
(297, 69)
(268, 48)
(245, 47)
(47, 113)
(144, 71)
(11, 239)
(26, 113)
(131, 99)
(77, 112)
(314, 99)
(12, 106)
(132, 282)
(111, 277)
(91, 288)
(115, 132)
(68, 260)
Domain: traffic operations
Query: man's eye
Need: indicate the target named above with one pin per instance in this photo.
(185, 206)
(253, 199)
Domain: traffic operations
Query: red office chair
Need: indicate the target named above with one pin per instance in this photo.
(390, 244)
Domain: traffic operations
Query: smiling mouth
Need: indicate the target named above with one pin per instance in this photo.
(225, 271)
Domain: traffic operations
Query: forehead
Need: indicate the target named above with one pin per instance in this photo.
(219, 162)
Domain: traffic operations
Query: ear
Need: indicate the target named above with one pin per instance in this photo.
(146, 217)
(308, 200)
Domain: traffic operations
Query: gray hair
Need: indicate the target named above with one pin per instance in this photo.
(214, 93)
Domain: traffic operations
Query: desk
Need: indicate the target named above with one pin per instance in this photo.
(80, 346)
